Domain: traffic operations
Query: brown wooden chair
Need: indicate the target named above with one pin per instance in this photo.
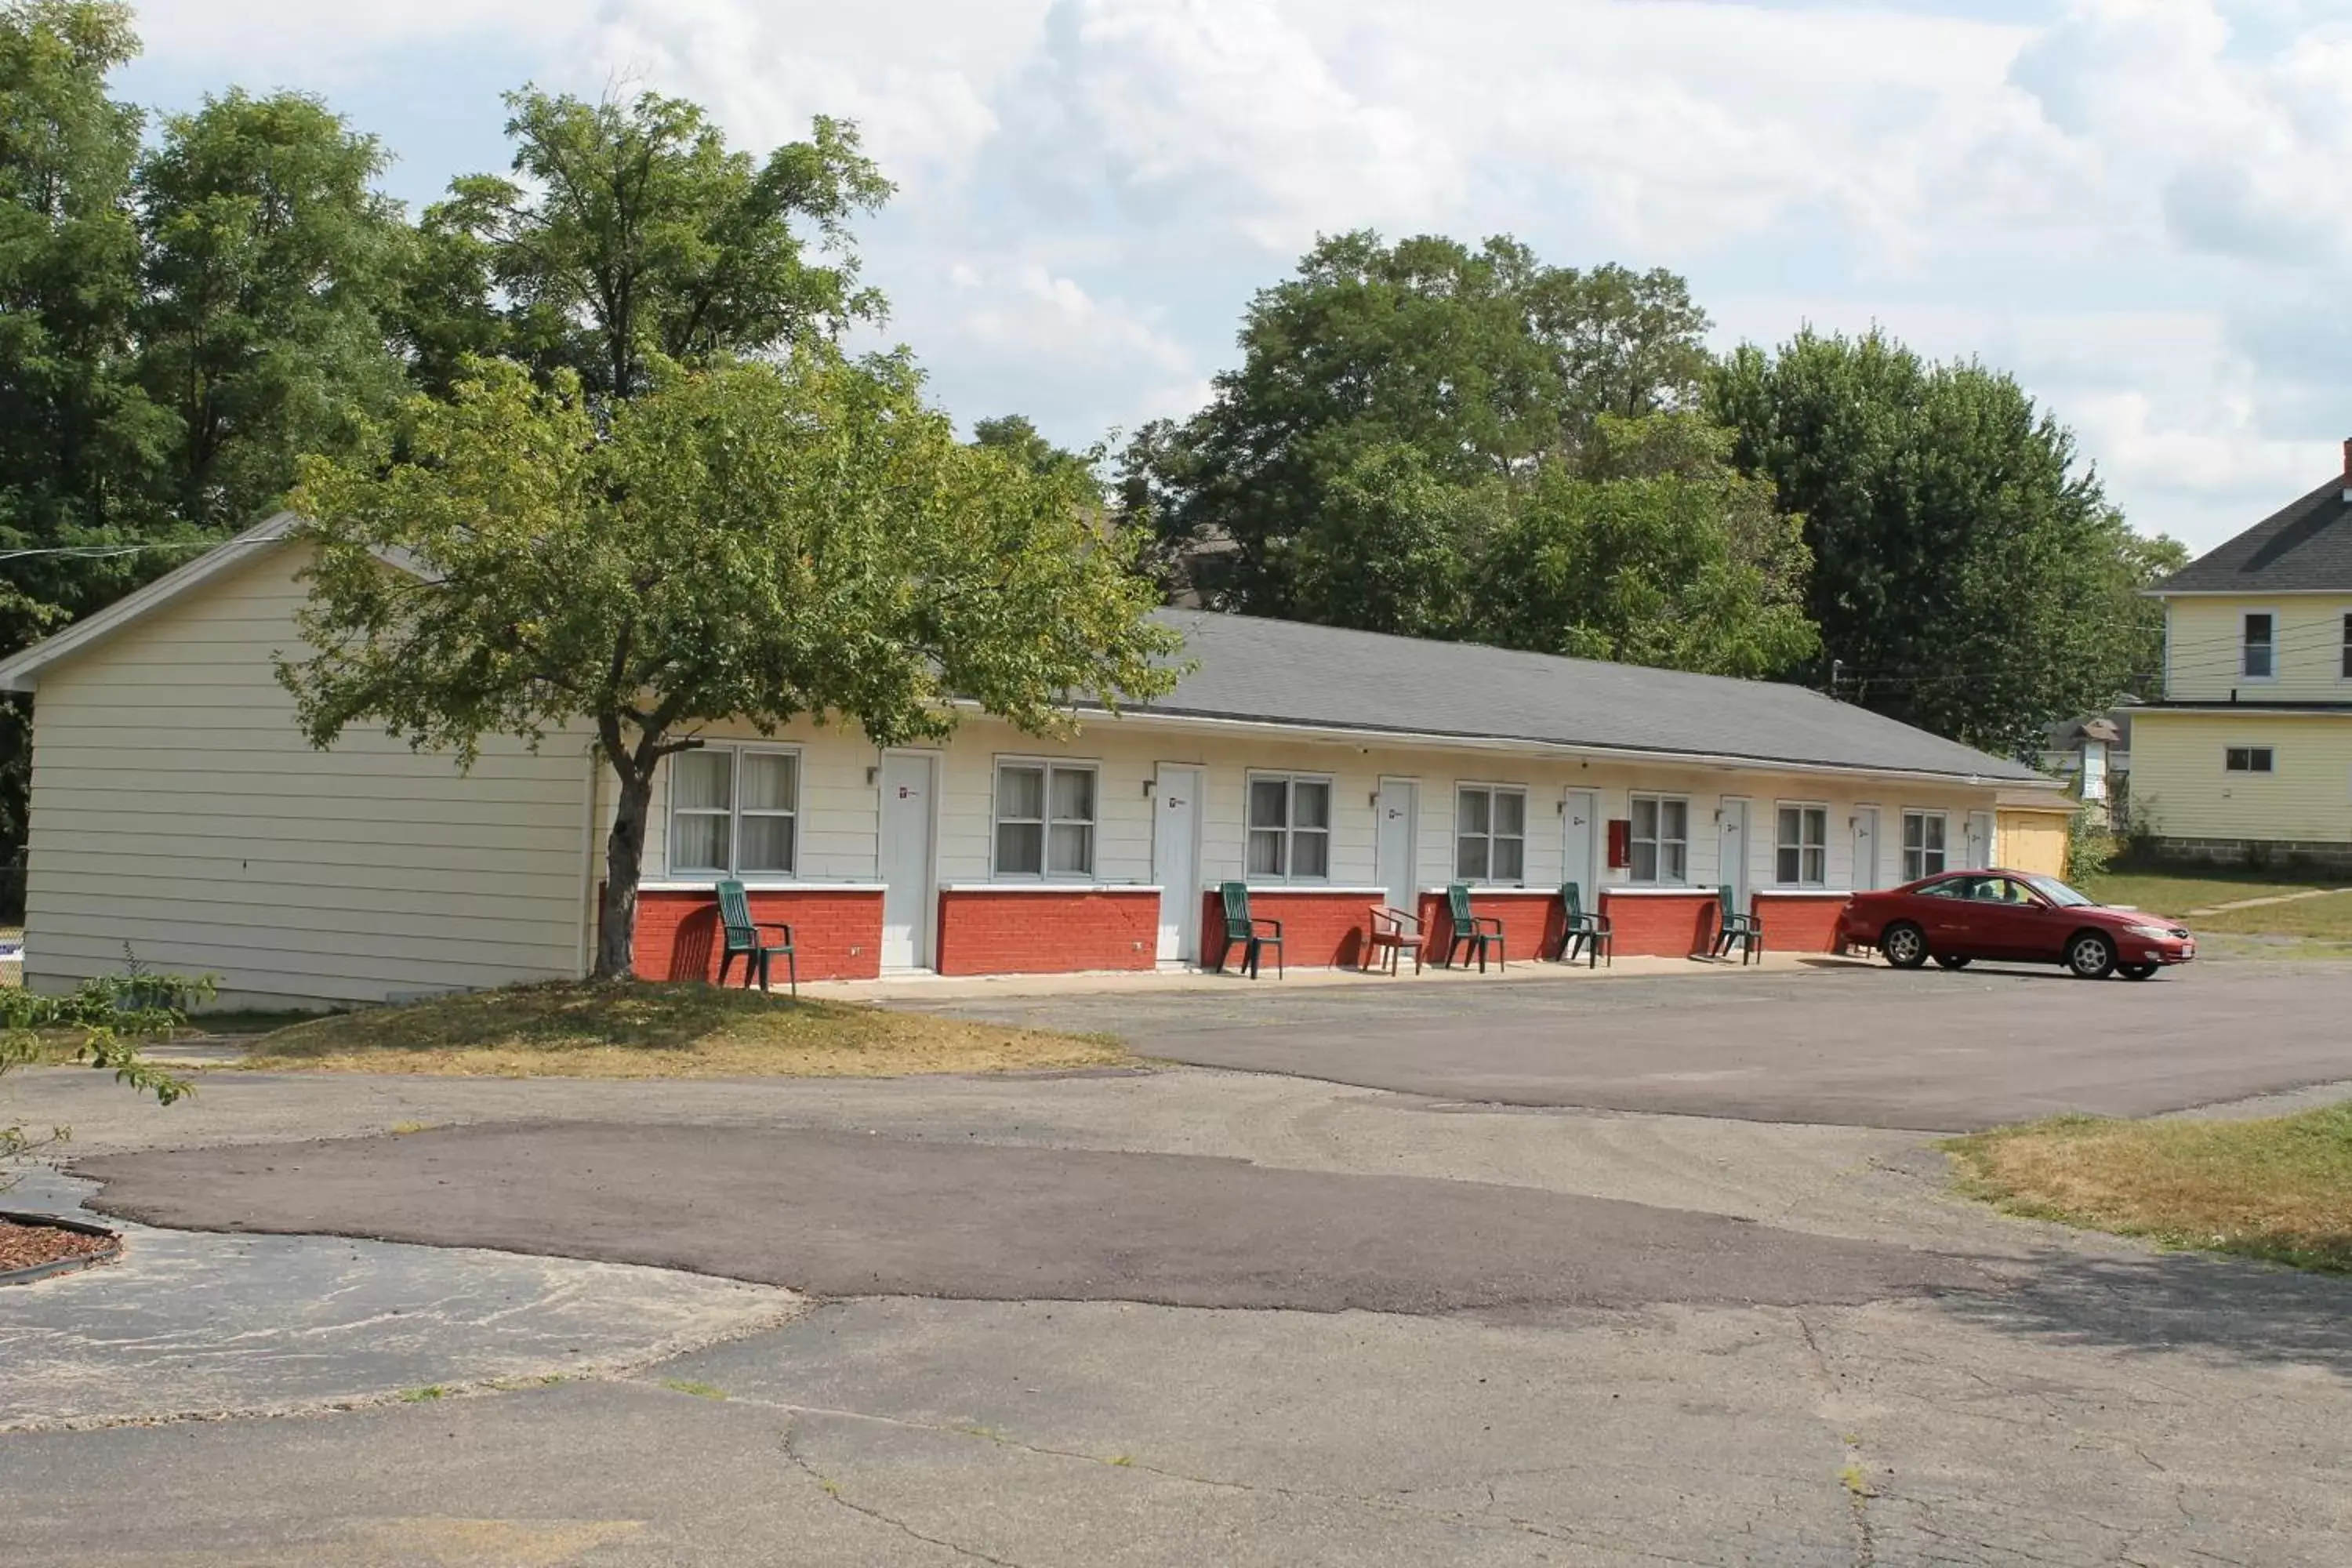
(1393, 934)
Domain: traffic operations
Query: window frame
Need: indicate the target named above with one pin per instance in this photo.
(1942, 852)
(2244, 643)
(1045, 823)
(2345, 668)
(1781, 845)
(1492, 792)
(1657, 843)
(734, 813)
(1289, 829)
(2269, 755)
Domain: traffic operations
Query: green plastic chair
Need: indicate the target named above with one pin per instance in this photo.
(1255, 935)
(1590, 932)
(1471, 931)
(743, 939)
(1734, 925)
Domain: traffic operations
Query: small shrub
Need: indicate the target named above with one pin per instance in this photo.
(115, 1014)
(2090, 848)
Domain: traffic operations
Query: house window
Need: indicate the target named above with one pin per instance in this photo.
(1289, 827)
(733, 811)
(1803, 857)
(1045, 819)
(2248, 760)
(1922, 844)
(1661, 842)
(1490, 834)
(2347, 648)
(2259, 661)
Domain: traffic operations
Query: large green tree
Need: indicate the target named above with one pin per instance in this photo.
(273, 265)
(1970, 574)
(741, 542)
(628, 233)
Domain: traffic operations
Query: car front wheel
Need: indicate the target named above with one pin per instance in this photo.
(1951, 960)
(2136, 970)
(2091, 956)
(1904, 945)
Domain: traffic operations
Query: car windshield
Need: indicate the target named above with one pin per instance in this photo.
(2058, 892)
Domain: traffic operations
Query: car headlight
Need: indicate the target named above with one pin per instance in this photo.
(2155, 933)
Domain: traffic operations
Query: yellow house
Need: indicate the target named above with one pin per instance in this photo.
(2249, 754)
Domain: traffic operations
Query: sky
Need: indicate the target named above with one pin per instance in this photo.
(2135, 206)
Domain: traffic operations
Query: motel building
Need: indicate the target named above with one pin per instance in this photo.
(178, 815)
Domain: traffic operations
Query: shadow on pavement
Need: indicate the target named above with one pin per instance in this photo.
(2250, 1313)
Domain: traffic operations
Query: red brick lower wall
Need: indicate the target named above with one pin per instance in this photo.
(1794, 924)
(992, 933)
(1661, 925)
(1320, 931)
(1531, 920)
(836, 933)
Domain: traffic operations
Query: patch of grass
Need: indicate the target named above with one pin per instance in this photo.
(425, 1395)
(2324, 919)
(2277, 1187)
(403, 1128)
(2175, 893)
(250, 1020)
(585, 1030)
(699, 1390)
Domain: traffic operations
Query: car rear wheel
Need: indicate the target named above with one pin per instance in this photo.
(2091, 955)
(1951, 960)
(2136, 970)
(1904, 945)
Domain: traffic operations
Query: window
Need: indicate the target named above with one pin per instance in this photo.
(733, 810)
(2259, 660)
(2249, 760)
(1804, 854)
(1289, 827)
(2347, 648)
(1045, 819)
(1661, 839)
(1922, 844)
(1490, 834)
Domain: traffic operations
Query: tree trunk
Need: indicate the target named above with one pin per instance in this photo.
(625, 859)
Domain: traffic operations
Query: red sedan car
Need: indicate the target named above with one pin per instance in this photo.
(1961, 916)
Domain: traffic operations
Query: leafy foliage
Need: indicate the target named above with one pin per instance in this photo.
(1969, 575)
(746, 541)
(1437, 441)
(630, 233)
(114, 1016)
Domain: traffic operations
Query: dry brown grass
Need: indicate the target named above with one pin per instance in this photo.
(2276, 1187)
(577, 1030)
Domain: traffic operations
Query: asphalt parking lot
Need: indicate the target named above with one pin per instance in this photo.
(1593, 1273)
(1851, 1046)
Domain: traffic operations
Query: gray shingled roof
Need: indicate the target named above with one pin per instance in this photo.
(2305, 545)
(1282, 672)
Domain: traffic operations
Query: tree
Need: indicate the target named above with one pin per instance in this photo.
(80, 443)
(1384, 393)
(632, 234)
(1649, 549)
(1969, 575)
(742, 541)
(272, 268)
(1017, 438)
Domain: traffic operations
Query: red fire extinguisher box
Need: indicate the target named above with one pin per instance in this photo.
(1621, 844)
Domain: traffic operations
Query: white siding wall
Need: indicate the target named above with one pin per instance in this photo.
(175, 808)
(839, 807)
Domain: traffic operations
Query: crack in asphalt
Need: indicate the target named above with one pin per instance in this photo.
(832, 1489)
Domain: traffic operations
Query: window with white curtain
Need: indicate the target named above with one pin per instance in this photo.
(734, 811)
(1046, 819)
(1803, 854)
(1661, 842)
(1490, 834)
(1289, 827)
(1924, 836)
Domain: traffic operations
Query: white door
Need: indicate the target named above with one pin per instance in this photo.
(1176, 862)
(1979, 844)
(907, 900)
(1731, 857)
(1582, 814)
(1399, 813)
(1865, 848)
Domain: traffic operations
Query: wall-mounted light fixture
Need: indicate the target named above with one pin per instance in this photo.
(873, 775)
(1149, 785)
